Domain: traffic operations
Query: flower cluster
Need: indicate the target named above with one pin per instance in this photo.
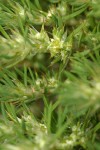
(76, 137)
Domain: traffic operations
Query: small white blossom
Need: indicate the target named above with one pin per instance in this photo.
(62, 8)
(40, 140)
(51, 12)
(21, 13)
(38, 82)
(52, 82)
(19, 39)
(69, 142)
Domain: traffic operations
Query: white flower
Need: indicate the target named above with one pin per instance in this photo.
(62, 8)
(50, 12)
(69, 142)
(21, 13)
(38, 82)
(40, 140)
(52, 82)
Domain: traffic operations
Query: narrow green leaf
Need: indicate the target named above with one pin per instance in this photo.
(4, 32)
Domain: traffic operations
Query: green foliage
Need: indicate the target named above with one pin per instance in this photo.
(49, 75)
